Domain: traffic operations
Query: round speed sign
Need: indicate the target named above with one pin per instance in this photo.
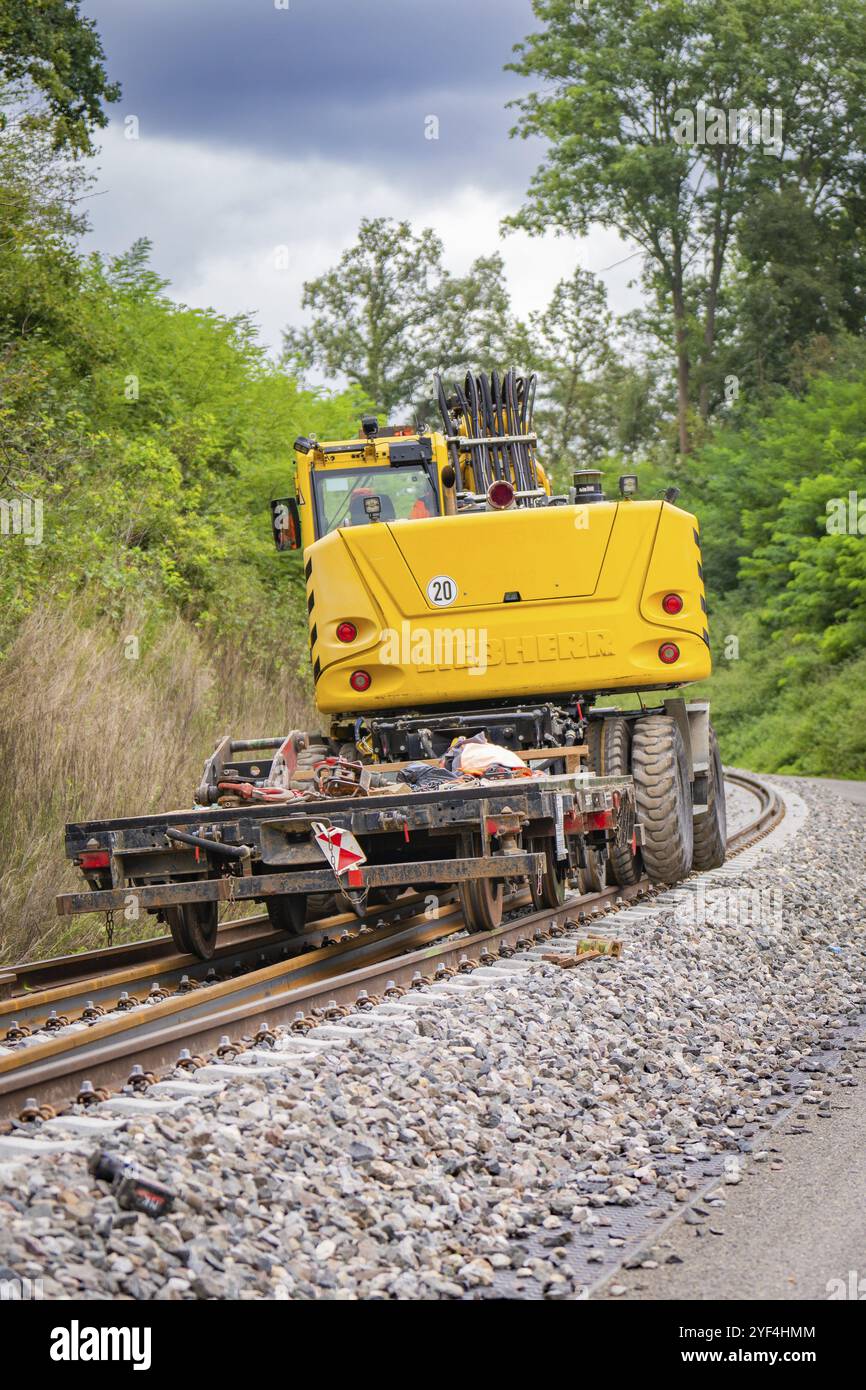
(442, 591)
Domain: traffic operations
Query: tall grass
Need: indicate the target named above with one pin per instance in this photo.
(88, 729)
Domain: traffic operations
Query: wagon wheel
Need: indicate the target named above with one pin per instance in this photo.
(384, 897)
(592, 873)
(481, 899)
(553, 885)
(194, 927)
(176, 922)
(288, 913)
(481, 902)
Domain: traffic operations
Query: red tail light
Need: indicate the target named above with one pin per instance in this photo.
(669, 652)
(95, 859)
(500, 494)
(672, 603)
(346, 632)
(360, 680)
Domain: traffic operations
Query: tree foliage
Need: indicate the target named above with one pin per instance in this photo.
(51, 57)
(618, 76)
(151, 434)
(389, 314)
(594, 399)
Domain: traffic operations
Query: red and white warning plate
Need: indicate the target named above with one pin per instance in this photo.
(339, 847)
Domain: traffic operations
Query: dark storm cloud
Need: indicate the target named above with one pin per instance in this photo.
(333, 79)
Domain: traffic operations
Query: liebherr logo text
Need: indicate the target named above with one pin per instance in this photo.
(77, 1343)
(437, 649)
(549, 646)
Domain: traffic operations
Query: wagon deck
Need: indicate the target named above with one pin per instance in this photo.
(257, 851)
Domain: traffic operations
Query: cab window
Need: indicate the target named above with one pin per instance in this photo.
(360, 496)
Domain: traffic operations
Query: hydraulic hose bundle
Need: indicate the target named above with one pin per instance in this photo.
(491, 419)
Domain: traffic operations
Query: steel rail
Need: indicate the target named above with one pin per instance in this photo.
(37, 985)
(104, 1052)
(130, 989)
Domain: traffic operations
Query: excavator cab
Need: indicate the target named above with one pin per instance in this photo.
(364, 496)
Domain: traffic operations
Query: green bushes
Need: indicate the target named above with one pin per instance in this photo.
(151, 436)
(782, 499)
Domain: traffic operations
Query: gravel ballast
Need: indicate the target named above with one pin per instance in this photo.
(512, 1132)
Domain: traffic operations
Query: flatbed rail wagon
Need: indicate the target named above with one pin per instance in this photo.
(548, 830)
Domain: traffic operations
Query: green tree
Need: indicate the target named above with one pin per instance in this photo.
(389, 315)
(49, 51)
(800, 273)
(620, 78)
(372, 314)
(473, 322)
(152, 436)
(568, 344)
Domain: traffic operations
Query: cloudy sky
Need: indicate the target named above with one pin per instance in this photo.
(270, 124)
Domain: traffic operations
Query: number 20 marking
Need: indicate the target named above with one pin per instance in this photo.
(442, 591)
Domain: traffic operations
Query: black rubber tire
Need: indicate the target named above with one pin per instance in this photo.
(593, 744)
(610, 754)
(711, 827)
(663, 797)
(288, 913)
(194, 928)
(553, 884)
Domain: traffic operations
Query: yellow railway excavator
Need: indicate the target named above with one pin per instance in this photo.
(464, 621)
(451, 592)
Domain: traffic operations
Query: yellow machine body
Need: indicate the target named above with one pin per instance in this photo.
(489, 605)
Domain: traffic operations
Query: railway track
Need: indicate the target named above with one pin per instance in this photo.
(70, 1034)
(129, 974)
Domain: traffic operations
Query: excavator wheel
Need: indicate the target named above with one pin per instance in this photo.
(553, 885)
(593, 744)
(193, 928)
(711, 826)
(663, 796)
(288, 913)
(609, 742)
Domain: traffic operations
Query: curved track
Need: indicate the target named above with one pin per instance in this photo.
(55, 1045)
